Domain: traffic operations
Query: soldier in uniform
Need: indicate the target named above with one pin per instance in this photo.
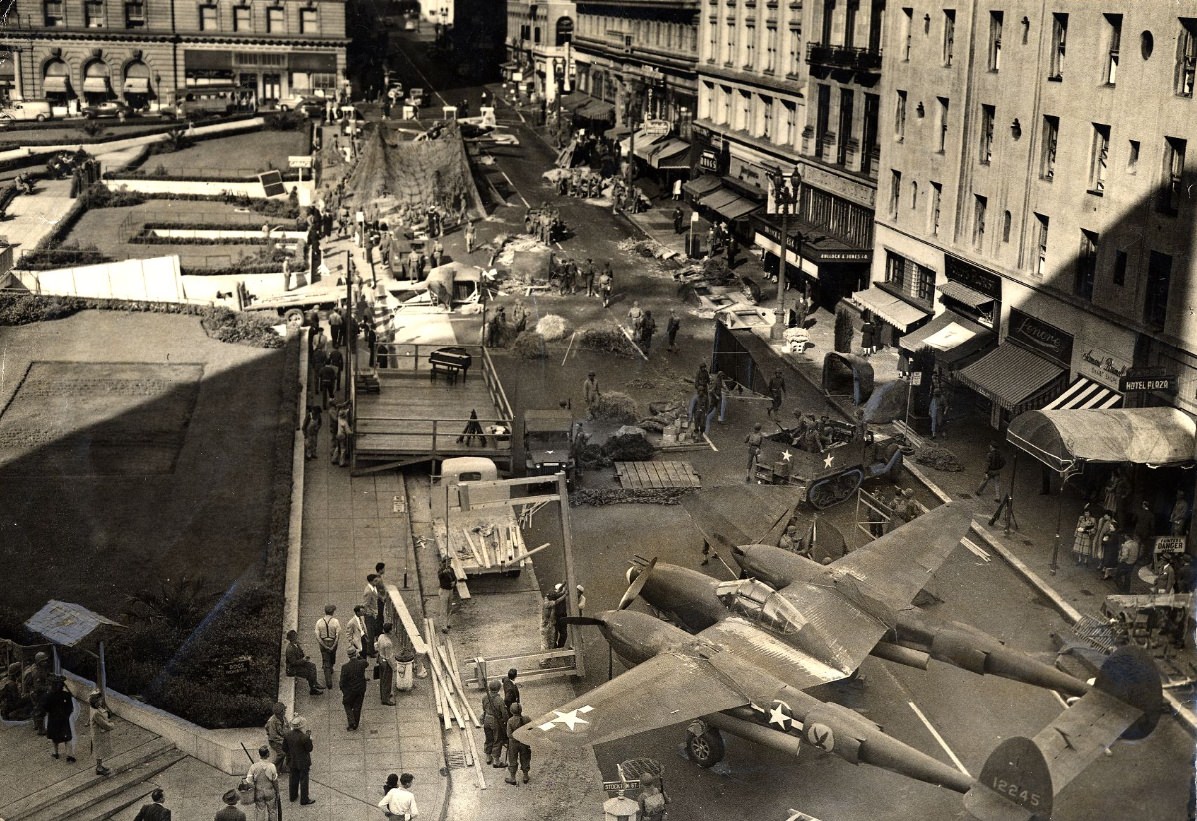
(494, 723)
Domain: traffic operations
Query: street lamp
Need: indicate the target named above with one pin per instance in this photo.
(785, 190)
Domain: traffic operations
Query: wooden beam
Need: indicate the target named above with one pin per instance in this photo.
(405, 618)
(522, 500)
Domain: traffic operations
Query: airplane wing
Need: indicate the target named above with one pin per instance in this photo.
(899, 564)
(747, 642)
(837, 626)
(666, 689)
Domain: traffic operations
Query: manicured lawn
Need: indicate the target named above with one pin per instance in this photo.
(239, 155)
(72, 131)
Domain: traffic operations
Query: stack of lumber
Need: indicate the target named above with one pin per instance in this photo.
(452, 701)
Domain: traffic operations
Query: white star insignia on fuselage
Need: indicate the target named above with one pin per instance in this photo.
(570, 719)
(777, 715)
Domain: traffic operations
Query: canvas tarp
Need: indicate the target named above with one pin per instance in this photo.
(1144, 436)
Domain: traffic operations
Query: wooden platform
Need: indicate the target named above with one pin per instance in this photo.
(656, 474)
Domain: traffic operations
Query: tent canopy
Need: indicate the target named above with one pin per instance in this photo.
(841, 369)
(1143, 436)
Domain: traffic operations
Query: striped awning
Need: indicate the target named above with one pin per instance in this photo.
(1011, 376)
(1085, 394)
(889, 308)
(964, 294)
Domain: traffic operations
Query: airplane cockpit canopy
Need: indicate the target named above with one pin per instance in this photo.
(759, 602)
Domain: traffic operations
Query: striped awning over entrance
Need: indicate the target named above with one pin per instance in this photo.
(1085, 394)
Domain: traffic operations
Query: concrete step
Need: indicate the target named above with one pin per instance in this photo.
(109, 808)
(74, 796)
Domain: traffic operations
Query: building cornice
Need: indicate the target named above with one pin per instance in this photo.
(776, 83)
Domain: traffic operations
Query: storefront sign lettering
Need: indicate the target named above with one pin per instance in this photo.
(1102, 366)
(708, 160)
(655, 128)
(1046, 340)
(971, 276)
(1163, 383)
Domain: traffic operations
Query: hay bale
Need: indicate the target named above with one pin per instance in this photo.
(551, 327)
(616, 406)
(529, 345)
(610, 340)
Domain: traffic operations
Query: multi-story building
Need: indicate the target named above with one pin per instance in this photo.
(75, 52)
(478, 32)
(539, 41)
(1036, 177)
(639, 56)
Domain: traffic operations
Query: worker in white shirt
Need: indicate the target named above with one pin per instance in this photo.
(328, 636)
(400, 802)
(355, 629)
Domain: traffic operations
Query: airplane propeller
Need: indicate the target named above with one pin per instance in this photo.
(637, 585)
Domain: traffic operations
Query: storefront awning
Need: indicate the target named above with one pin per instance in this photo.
(596, 110)
(728, 204)
(137, 85)
(57, 84)
(964, 294)
(766, 244)
(318, 61)
(642, 146)
(574, 101)
(897, 312)
(1142, 436)
(950, 335)
(208, 60)
(702, 186)
(1085, 394)
(1010, 376)
(670, 154)
(96, 85)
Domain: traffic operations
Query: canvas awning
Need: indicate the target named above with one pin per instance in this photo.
(950, 335)
(137, 85)
(728, 203)
(576, 100)
(964, 294)
(96, 85)
(1010, 376)
(596, 110)
(57, 84)
(702, 186)
(891, 309)
(670, 154)
(642, 146)
(1142, 436)
(1085, 394)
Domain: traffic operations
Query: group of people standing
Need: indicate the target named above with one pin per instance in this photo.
(327, 369)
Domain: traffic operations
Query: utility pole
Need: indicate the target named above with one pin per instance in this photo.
(785, 189)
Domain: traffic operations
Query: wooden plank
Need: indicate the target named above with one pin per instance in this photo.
(405, 618)
(429, 627)
(455, 677)
(470, 544)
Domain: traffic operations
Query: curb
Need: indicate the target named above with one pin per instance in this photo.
(286, 684)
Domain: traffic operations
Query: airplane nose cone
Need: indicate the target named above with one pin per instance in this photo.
(633, 573)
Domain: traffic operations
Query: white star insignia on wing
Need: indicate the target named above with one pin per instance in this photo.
(777, 715)
(828, 461)
(570, 719)
(786, 456)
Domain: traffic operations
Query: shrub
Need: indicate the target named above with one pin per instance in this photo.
(286, 121)
(610, 340)
(843, 330)
(238, 328)
(529, 345)
(615, 406)
(551, 327)
(64, 256)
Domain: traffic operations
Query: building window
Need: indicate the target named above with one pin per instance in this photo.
(742, 111)
(995, 40)
(1120, 268)
(895, 190)
(1039, 263)
(771, 49)
(914, 195)
(1099, 158)
(907, 29)
(895, 270)
(1186, 56)
(749, 46)
(790, 117)
(309, 21)
(134, 14)
(93, 14)
(876, 21)
(1172, 185)
(844, 130)
(933, 215)
(242, 19)
(949, 35)
(767, 117)
(1007, 221)
(1047, 158)
(713, 42)
(822, 118)
(276, 19)
(850, 23)
(871, 151)
(1159, 280)
(900, 117)
(942, 126)
(988, 115)
(795, 53)
(1113, 44)
(53, 12)
(207, 18)
(828, 15)
(1132, 157)
(1086, 266)
(980, 206)
(1059, 43)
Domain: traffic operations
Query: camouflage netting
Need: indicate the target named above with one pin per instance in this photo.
(412, 174)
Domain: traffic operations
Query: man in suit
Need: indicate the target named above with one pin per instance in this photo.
(155, 811)
(353, 688)
(230, 811)
(299, 752)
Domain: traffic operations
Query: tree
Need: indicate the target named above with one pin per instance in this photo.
(843, 329)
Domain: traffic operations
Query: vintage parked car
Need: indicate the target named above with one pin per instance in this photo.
(108, 108)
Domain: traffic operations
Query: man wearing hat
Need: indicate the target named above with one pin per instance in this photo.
(230, 811)
(328, 636)
(156, 811)
(37, 685)
(299, 752)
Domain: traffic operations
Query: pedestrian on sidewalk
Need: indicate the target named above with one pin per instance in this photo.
(340, 432)
(470, 237)
(939, 413)
(494, 723)
(328, 636)
(353, 688)
(754, 441)
(777, 391)
(386, 666)
(230, 811)
(59, 705)
(446, 578)
(311, 431)
(868, 338)
(1106, 539)
(373, 598)
(157, 811)
(1128, 557)
(298, 742)
(591, 392)
(588, 276)
(1145, 524)
(679, 220)
(299, 665)
(264, 778)
(1082, 540)
(606, 285)
(648, 326)
(277, 728)
(355, 629)
(671, 328)
(994, 462)
(37, 685)
(101, 725)
(519, 755)
(719, 388)
(677, 189)
(336, 325)
(400, 802)
(636, 316)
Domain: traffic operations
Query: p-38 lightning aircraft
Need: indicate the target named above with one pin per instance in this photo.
(755, 645)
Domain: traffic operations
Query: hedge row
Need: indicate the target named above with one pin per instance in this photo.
(153, 239)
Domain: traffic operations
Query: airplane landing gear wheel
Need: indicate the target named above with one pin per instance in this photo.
(293, 317)
(706, 748)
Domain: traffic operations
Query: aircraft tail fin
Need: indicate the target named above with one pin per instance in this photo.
(1015, 784)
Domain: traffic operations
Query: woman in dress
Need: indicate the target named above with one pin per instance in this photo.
(1082, 543)
(58, 707)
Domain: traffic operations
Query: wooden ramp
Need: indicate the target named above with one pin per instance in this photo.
(656, 474)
